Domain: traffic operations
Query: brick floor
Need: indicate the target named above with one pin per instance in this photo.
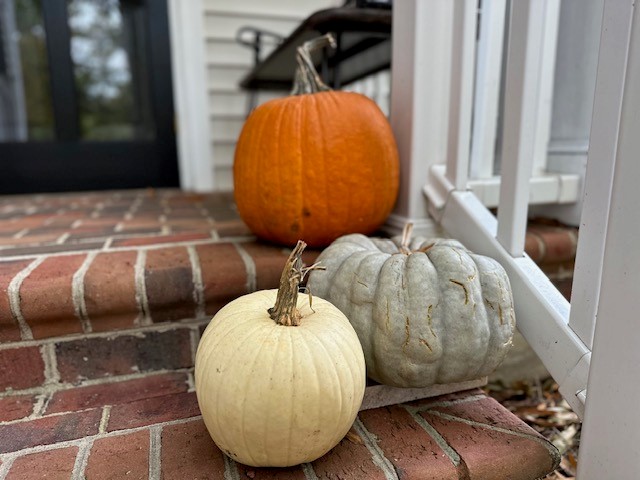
(466, 435)
(103, 298)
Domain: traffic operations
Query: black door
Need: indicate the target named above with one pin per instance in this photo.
(85, 96)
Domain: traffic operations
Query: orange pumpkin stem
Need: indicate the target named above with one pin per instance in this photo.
(285, 311)
(306, 78)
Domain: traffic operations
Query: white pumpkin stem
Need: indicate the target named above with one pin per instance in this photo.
(306, 78)
(406, 239)
(285, 311)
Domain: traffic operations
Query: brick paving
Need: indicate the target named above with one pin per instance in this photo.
(464, 435)
(103, 298)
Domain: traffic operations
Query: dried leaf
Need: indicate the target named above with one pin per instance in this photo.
(353, 437)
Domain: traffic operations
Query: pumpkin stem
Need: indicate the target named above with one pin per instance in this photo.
(285, 311)
(306, 78)
(406, 239)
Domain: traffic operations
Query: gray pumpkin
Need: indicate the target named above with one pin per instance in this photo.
(426, 311)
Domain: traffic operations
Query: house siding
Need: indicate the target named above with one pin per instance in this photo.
(228, 62)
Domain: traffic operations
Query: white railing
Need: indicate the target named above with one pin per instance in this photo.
(434, 55)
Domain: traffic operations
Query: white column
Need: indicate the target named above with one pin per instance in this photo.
(188, 65)
(420, 86)
(610, 441)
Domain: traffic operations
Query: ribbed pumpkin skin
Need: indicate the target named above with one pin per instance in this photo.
(274, 395)
(440, 316)
(315, 166)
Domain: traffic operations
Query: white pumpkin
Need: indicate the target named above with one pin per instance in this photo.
(427, 311)
(284, 390)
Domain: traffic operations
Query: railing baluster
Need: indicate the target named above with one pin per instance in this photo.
(487, 88)
(520, 118)
(461, 94)
(545, 85)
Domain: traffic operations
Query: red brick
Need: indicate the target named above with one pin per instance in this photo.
(565, 287)
(534, 247)
(52, 464)
(21, 367)
(49, 430)
(110, 291)
(277, 473)
(169, 284)
(118, 457)
(124, 354)
(487, 454)
(269, 261)
(155, 240)
(104, 222)
(407, 445)
(141, 225)
(66, 219)
(115, 393)
(232, 228)
(224, 274)
(16, 407)
(178, 211)
(222, 213)
(89, 233)
(184, 226)
(461, 396)
(32, 239)
(46, 297)
(53, 248)
(487, 411)
(188, 452)
(9, 330)
(153, 410)
(560, 243)
(350, 460)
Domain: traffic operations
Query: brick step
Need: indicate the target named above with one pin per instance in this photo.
(76, 264)
(106, 263)
(37, 367)
(103, 298)
(150, 426)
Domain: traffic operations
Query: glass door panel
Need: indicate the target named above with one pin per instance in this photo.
(85, 95)
(108, 54)
(26, 110)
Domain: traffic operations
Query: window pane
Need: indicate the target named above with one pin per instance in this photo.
(26, 111)
(108, 53)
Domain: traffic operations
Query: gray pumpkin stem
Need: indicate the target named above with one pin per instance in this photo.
(406, 239)
(306, 78)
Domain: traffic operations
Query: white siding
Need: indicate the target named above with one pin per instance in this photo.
(228, 62)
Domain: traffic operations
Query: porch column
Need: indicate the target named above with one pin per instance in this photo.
(420, 89)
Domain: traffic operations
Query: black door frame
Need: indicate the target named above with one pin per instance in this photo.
(71, 164)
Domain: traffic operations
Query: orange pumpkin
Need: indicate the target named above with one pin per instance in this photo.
(315, 165)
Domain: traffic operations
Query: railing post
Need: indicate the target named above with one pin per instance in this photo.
(420, 88)
(614, 49)
(610, 441)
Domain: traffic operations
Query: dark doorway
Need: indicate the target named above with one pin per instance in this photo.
(85, 96)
